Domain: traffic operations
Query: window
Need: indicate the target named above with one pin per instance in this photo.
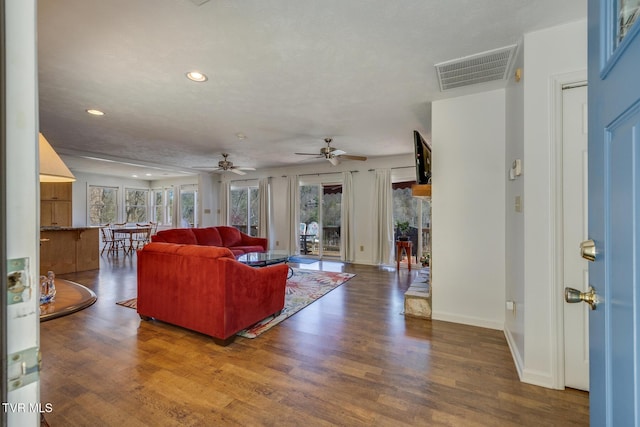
(244, 209)
(135, 205)
(162, 205)
(103, 205)
(157, 206)
(189, 205)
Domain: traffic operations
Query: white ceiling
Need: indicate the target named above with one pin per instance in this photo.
(285, 73)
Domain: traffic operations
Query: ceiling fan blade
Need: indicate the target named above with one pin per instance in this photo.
(335, 161)
(338, 152)
(306, 154)
(349, 157)
(242, 168)
(237, 171)
(206, 168)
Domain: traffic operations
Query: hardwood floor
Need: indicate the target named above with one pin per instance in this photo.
(351, 358)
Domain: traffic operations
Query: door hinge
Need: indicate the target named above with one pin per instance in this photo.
(23, 368)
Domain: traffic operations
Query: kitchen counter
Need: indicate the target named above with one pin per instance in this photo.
(69, 249)
(59, 228)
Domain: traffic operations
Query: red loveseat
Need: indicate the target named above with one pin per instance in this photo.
(228, 237)
(204, 288)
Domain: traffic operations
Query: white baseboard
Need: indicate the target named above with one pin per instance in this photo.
(542, 379)
(466, 320)
(515, 353)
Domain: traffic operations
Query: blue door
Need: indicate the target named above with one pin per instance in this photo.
(614, 211)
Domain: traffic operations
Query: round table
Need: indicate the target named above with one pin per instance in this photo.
(70, 297)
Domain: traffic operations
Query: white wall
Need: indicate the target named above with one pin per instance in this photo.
(468, 209)
(79, 188)
(514, 243)
(363, 182)
(207, 185)
(548, 54)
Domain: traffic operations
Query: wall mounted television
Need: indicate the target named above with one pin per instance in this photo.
(423, 159)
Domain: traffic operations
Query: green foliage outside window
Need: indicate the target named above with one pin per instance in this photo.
(188, 206)
(103, 205)
(135, 205)
(244, 209)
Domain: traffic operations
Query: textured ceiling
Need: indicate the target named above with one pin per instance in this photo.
(285, 73)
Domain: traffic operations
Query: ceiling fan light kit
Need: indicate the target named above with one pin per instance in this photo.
(332, 154)
(225, 165)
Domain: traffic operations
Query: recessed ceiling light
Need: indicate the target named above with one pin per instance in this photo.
(95, 112)
(134, 176)
(147, 174)
(241, 135)
(196, 76)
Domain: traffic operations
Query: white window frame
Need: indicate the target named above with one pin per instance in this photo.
(89, 205)
(147, 191)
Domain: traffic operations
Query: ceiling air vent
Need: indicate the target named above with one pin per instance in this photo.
(479, 68)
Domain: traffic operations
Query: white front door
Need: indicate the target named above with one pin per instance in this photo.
(575, 209)
(19, 223)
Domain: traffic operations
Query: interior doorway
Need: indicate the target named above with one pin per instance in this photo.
(415, 211)
(575, 271)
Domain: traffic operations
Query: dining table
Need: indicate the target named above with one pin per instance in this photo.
(129, 235)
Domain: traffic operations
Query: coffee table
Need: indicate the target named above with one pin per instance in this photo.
(263, 259)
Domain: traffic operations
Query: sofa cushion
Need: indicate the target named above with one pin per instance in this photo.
(184, 236)
(188, 250)
(205, 251)
(230, 236)
(208, 236)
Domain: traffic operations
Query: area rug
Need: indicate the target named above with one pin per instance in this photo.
(130, 303)
(303, 288)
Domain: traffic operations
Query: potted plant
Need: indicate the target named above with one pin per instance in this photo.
(403, 228)
(425, 259)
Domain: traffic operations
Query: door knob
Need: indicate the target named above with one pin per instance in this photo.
(588, 250)
(573, 295)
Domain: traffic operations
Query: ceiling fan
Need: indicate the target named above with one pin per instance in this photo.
(333, 154)
(226, 166)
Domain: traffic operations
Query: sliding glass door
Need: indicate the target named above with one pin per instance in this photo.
(244, 209)
(320, 219)
(417, 212)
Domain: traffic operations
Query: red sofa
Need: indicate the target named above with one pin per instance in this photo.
(228, 237)
(204, 288)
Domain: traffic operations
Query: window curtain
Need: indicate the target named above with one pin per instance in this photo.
(224, 197)
(347, 232)
(175, 207)
(264, 220)
(293, 213)
(383, 218)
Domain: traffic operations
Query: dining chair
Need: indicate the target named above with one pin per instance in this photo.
(120, 239)
(302, 229)
(108, 242)
(142, 237)
(312, 235)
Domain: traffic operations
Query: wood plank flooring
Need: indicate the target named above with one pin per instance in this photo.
(349, 359)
